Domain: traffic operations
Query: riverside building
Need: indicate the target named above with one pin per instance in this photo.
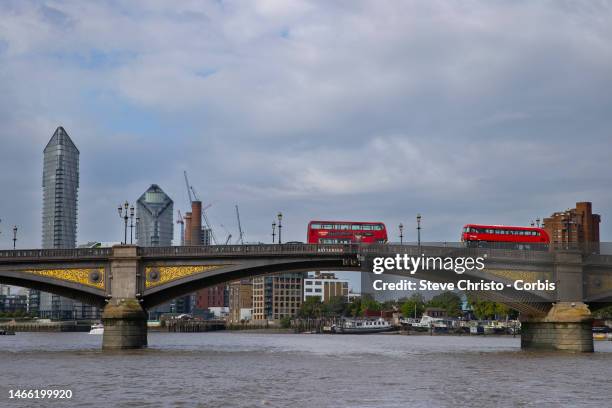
(277, 296)
(325, 285)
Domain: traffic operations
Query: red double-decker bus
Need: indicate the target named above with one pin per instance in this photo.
(521, 237)
(346, 232)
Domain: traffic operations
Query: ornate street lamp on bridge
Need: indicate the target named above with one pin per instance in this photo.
(14, 237)
(273, 231)
(418, 217)
(280, 218)
(401, 230)
(126, 212)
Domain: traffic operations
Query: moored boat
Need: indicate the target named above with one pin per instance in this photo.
(602, 333)
(362, 326)
(97, 329)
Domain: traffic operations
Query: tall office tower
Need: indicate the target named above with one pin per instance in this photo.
(60, 191)
(59, 218)
(154, 210)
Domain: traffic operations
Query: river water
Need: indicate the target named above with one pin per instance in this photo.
(241, 369)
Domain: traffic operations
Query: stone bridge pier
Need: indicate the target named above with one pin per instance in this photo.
(568, 324)
(124, 319)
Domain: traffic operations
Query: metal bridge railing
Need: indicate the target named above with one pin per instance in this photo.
(431, 249)
(259, 249)
(57, 253)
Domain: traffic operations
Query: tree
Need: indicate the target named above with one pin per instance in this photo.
(484, 309)
(354, 309)
(311, 308)
(449, 301)
(416, 302)
(603, 313)
(285, 322)
(336, 306)
(368, 303)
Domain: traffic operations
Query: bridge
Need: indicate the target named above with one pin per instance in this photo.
(126, 280)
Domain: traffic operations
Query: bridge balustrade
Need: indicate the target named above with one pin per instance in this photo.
(297, 249)
(265, 249)
(58, 253)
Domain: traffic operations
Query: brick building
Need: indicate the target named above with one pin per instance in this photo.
(240, 300)
(574, 226)
(277, 296)
(214, 296)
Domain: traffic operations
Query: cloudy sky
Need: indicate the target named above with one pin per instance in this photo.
(493, 111)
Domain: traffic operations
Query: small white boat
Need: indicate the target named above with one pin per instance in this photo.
(427, 322)
(97, 329)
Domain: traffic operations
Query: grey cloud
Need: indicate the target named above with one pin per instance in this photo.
(472, 111)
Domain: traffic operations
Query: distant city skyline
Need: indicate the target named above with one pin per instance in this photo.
(487, 112)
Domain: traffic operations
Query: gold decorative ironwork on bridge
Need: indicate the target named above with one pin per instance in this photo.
(526, 276)
(159, 275)
(93, 277)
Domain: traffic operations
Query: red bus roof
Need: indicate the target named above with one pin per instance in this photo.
(345, 222)
(508, 227)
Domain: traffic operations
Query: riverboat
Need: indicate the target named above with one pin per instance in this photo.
(362, 326)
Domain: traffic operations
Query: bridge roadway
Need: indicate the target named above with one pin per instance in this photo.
(124, 280)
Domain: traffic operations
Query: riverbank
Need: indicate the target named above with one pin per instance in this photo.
(47, 326)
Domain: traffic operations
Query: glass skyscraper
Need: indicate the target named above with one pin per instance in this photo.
(59, 221)
(60, 191)
(154, 211)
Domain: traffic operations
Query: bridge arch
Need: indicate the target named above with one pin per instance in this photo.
(165, 292)
(69, 290)
(528, 302)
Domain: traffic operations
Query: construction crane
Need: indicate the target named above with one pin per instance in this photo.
(181, 222)
(229, 234)
(188, 187)
(193, 196)
(240, 239)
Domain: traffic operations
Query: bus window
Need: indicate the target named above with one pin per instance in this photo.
(315, 226)
(356, 227)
